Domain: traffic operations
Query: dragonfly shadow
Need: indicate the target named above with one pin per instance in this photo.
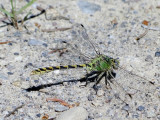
(91, 77)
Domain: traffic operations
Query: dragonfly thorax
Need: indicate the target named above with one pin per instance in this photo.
(103, 63)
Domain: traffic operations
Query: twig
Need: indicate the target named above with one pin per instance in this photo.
(142, 35)
(60, 50)
(62, 102)
(56, 29)
(5, 42)
(57, 18)
(12, 112)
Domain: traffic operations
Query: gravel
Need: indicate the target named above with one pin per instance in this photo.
(112, 27)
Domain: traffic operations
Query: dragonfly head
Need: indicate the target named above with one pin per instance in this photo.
(115, 63)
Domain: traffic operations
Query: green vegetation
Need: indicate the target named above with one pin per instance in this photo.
(13, 15)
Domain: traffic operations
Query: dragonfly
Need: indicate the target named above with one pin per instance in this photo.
(98, 65)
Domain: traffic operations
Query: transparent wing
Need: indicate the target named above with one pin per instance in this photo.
(78, 49)
(130, 84)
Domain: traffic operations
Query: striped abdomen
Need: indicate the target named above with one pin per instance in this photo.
(48, 69)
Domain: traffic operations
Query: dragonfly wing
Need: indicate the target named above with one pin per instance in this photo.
(133, 83)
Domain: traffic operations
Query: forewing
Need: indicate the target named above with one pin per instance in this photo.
(78, 49)
(133, 84)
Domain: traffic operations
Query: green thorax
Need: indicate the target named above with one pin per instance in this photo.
(102, 63)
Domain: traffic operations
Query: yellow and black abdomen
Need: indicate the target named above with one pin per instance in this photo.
(48, 69)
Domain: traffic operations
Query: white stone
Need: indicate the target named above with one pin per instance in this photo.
(76, 113)
(100, 93)
(18, 58)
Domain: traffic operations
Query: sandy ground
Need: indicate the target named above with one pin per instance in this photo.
(113, 27)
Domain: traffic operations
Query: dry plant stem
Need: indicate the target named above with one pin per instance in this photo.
(60, 101)
(5, 42)
(60, 50)
(56, 29)
(142, 35)
(12, 112)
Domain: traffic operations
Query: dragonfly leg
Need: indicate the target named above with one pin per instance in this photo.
(113, 77)
(107, 80)
(90, 77)
(98, 79)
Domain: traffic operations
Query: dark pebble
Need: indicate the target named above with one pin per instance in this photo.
(124, 24)
(87, 7)
(149, 58)
(25, 40)
(16, 53)
(90, 98)
(36, 81)
(27, 65)
(45, 45)
(9, 73)
(17, 34)
(10, 44)
(157, 54)
(28, 78)
(135, 115)
(90, 118)
(141, 108)
(126, 107)
(38, 115)
(44, 54)
(105, 1)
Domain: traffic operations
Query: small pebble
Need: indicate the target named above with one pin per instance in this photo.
(90, 97)
(38, 115)
(18, 58)
(17, 34)
(9, 73)
(87, 7)
(10, 44)
(76, 113)
(60, 108)
(100, 93)
(97, 103)
(17, 83)
(135, 115)
(25, 40)
(3, 77)
(151, 113)
(34, 42)
(36, 81)
(16, 53)
(45, 45)
(45, 54)
(28, 78)
(126, 107)
(158, 117)
(124, 24)
(141, 108)
(105, 1)
(149, 58)
(2, 56)
(157, 54)
(27, 65)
